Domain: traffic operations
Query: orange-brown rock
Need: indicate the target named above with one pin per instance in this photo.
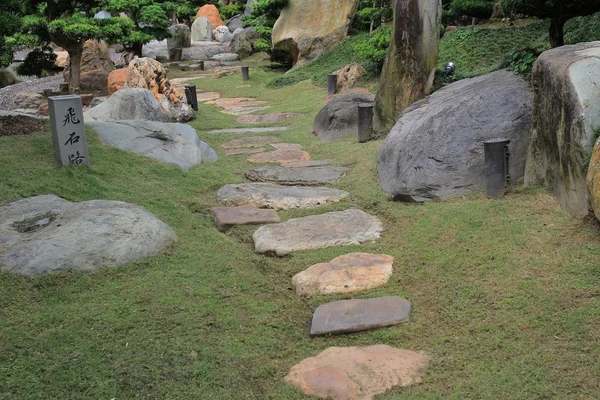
(212, 14)
(357, 373)
(43, 110)
(280, 156)
(147, 73)
(349, 273)
(349, 76)
(117, 80)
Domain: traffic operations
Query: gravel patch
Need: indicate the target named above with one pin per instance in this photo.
(8, 93)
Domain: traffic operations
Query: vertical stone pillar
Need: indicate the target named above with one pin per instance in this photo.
(68, 131)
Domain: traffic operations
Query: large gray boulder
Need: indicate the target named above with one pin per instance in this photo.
(566, 83)
(436, 148)
(339, 118)
(181, 37)
(202, 30)
(127, 104)
(234, 23)
(249, 5)
(46, 234)
(411, 59)
(176, 144)
(200, 51)
(242, 42)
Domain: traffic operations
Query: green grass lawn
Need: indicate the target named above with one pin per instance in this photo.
(505, 294)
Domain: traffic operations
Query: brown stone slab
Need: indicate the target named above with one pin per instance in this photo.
(349, 273)
(280, 156)
(266, 118)
(226, 217)
(250, 142)
(286, 146)
(357, 373)
(235, 152)
(308, 163)
(347, 316)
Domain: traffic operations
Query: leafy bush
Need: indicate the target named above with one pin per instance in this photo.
(263, 17)
(473, 8)
(521, 62)
(374, 50)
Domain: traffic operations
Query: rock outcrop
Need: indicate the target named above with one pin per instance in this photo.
(349, 76)
(202, 30)
(411, 59)
(242, 42)
(176, 144)
(309, 28)
(96, 64)
(211, 12)
(129, 104)
(47, 234)
(436, 148)
(566, 112)
(117, 80)
(339, 117)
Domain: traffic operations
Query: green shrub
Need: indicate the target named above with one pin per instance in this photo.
(521, 62)
(473, 8)
(374, 50)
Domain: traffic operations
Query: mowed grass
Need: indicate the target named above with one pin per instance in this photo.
(505, 294)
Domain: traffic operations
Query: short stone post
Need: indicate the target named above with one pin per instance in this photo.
(245, 73)
(68, 132)
(193, 96)
(332, 84)
(496, 167)
(201, 63)
(365, 122)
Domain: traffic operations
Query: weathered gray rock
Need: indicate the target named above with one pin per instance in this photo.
(222, 34)
(176, 144)
(309, 163)
(226, 217)
(346, 316)
(353, 272)
(243, 131)
(249, 5)
(357, 373)
(340, 228)
(268, 195)
(566, 112)
(46, 234)
(296, 176)
(129, 104)
(225, 57)
(411, 60)
(436, 148)
(15, 123)
(200, 51)
(202, 30)
(308, 29)
(242, 42)
(234, 23)
(181, 37)
(339, 117)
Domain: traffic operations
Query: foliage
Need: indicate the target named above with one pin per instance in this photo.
(473, 8)
(231, 10)
(38, 61)
(263, 17)
(10, 18)
(559, 11)
(521, 61)
(375, 49)
(583, 29)
(372, 13)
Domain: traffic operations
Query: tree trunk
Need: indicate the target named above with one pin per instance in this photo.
(557, 32)
(136, 49)
(497, 11)
(75, 69)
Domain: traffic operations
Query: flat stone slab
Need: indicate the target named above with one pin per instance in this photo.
(243, 131)
(226, 217)
(266, 118)
(235, 152)
(357, 373)
(250, 142)
(46, 234)
(340, 228)
(296, 176)
(286, 146)
(349, 273)
(281, 156)
(346, 316)
(243, 110)
(309, 163)
(278, 197)
(207, 96)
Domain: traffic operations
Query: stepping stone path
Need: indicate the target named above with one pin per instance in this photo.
(281, 156)
(249, 142)
(226, 217)
(266, 118)
(349, 273)
(239, 105)
(296, 176)
(234, 152)
(268, 195)
(309, 163)
(286, 146)
(346, 316)
(357, 373)
(207, 96)
(318, 231)
(243, 131)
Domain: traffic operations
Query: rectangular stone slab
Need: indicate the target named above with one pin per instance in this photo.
(226, 217)
(355, 315)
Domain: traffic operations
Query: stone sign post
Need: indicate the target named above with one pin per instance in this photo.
(68, 132)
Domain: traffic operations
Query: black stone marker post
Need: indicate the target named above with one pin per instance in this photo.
(191, 96)
(331, 84)
(365, 122)
(245, 73)
(68, 132)
(496, 167)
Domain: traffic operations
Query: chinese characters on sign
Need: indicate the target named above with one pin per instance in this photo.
(68, 132)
